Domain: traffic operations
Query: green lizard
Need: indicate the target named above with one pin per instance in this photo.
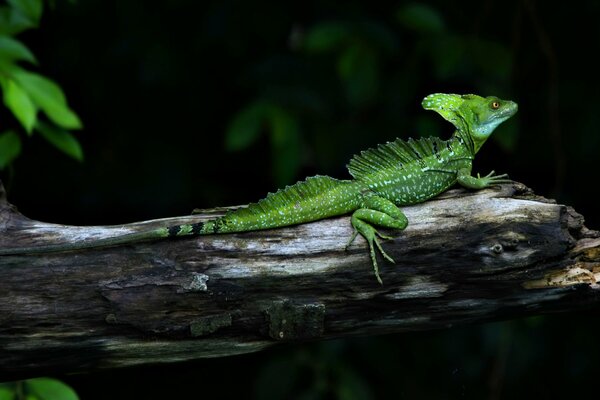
(394, 174)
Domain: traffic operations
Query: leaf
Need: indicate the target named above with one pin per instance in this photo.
(10, 148)
(13, 50)
(13, 21)
(50, 389)
(48, 96)
(6, 392)
(285, 143)
(19, 103)
(351, 386)
(492, 58)
(32, 9)
(377, 35)
(421, 18)
(449, 56)
(61, 139)
(245, 127)
(325, 36)
(357, 67)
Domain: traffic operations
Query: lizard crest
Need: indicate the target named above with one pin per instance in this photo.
(474, 117)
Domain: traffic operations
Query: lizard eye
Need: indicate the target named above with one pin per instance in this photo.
(495, 105)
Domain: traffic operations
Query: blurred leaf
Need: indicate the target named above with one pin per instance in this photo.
(421, 18)
(13, 21)
(352, 386)
(491, 58)
(357, 67)
(32, 9)
(6, 392)
(245, 127)
(61, 139)
(50, 389)
(448, 56)
(10, 148)
(13, 50)
(326, 36)
(377, 35)
(285, 140)
(48, 96)
(19, 103)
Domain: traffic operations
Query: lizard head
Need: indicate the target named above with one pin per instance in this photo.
(472, 115)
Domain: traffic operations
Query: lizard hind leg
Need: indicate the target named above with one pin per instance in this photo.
(381, 212)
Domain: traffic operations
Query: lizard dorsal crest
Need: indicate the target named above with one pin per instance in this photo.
(392, 155)
(447, 105)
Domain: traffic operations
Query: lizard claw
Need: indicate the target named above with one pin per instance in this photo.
(354, 235)
(491, 179)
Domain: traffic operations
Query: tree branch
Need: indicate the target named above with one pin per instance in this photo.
(465, 257)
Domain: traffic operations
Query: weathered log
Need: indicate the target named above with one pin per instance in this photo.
(465, 257)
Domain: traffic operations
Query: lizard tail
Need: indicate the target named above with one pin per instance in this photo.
(316, 198)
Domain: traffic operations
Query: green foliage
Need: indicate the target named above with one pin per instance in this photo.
(12, 50)
(25, 93)
(322, 366)
(61, 139)
(21, 105)
(420, 18)
(10, 147)
(326, 37)
(49, 97)
(37, 389)
(284, 133)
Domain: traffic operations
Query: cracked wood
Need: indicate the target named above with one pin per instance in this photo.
(466, 257)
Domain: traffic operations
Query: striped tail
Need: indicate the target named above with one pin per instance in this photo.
(310, 200)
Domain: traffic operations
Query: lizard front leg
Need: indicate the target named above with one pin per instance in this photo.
(465, 179)
(381, 212)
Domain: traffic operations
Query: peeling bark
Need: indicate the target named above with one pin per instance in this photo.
(465, 257)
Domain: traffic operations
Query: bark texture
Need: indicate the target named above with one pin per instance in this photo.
(465, 257)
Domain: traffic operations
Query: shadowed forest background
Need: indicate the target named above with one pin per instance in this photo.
(189, 104)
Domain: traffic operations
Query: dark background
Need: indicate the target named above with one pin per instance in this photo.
(159, 86)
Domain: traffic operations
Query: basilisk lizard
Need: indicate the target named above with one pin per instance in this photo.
(394, 174)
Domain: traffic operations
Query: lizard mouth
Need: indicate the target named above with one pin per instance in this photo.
(509, 110)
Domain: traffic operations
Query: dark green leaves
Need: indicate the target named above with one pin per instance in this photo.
(49, 389)
(20, 15)
(49, 97)
(25, 93)
(10, 148)
(282, 127)
(326, 36)
(246, 126)
(31, 9)
(420, 18)
(358, 69)
(358, 48)
(19, 102)
(61, 139)
(37, 389)
(13, 50)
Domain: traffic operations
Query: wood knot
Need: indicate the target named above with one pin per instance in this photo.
(497, 248)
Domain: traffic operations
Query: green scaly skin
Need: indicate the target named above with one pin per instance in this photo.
(394, 174)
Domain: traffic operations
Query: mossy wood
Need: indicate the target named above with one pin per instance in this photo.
(467, 257)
